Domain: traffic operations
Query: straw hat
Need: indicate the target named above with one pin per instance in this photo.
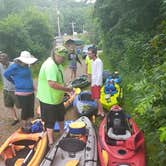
(26, 58)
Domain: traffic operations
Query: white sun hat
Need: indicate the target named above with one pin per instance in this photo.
(26, 58)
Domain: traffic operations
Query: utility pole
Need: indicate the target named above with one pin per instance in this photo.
(72, 24)
(83, 28)
(59, 31)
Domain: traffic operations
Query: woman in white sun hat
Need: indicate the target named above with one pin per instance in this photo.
(20, 75)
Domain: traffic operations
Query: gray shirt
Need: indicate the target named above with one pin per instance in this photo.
(7, 85)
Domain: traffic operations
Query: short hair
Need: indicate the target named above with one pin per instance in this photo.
(4, 55)
(93, 49)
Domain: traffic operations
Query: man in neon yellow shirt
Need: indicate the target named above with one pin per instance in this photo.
(51, 90)
(88, 63)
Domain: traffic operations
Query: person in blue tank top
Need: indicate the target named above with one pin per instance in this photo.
(20, 75)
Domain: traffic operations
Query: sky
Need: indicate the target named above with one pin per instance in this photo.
(92, 1)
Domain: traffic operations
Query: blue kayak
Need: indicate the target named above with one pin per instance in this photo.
(85, 105)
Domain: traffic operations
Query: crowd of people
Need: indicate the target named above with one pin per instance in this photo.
(19, 89)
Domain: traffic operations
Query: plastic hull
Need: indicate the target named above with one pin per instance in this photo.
(85, 156)
(85, 107)
(130, 152)
(113, 100)
(19, 140)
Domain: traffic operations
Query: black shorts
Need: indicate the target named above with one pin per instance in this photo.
(52, 113)
(27, 106)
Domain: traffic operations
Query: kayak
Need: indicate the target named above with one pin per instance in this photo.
(108, 101)
(120, 141)
(77, 146)
(68, 99)
(24, 148)
(84, 104)
(66, 124)
(80, 82)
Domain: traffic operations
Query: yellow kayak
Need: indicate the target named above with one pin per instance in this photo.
(108, 102)
(24, 148)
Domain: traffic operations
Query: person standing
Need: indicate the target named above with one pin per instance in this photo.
(88, 63)
(50, 91)
(73, 57)
(96, 77)
(10, 99)
(20, 75)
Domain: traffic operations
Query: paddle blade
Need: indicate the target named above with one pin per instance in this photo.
(72, 163)
(19, 162)
(77, 90)
(105, 157)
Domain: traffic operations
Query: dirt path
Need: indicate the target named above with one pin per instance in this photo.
(5, 118)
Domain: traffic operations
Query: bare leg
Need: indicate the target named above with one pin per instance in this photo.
(89, 77)
(100, 108)
(50, 134)
(61, 126)
(14, 114)
(74, 72)
(71, 74)
(29, 120)
(23, 123)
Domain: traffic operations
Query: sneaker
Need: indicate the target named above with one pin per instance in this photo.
(15, 122)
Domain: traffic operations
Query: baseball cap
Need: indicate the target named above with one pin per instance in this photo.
(61, 51)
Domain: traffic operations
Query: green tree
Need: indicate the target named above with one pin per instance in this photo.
(33, 33)
(40, 31)
(13, 36)
(134, 39)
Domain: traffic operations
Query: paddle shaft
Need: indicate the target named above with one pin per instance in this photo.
(30, 152)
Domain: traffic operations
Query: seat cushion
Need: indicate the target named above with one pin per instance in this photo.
(118, 137)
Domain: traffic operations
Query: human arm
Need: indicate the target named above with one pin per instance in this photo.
(55, 85)
(78, 60)
(9, 73)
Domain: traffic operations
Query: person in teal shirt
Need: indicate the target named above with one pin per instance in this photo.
(50, 91)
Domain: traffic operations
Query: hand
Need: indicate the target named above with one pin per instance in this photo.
(69, 89)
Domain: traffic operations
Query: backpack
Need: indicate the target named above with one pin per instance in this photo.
(37, 127)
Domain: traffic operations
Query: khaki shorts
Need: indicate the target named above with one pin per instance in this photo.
(10, 99)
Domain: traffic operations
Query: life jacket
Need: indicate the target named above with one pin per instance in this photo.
(110, 88)
(37, 127)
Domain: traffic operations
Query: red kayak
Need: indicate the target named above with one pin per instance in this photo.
(120, 141)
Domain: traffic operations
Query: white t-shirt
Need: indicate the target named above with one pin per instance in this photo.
(97, 72)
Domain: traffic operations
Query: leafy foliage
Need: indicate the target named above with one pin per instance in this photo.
(32, 33)
(134, 39)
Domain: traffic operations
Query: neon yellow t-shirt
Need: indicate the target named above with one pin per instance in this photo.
(53, 72)
(88, 62)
